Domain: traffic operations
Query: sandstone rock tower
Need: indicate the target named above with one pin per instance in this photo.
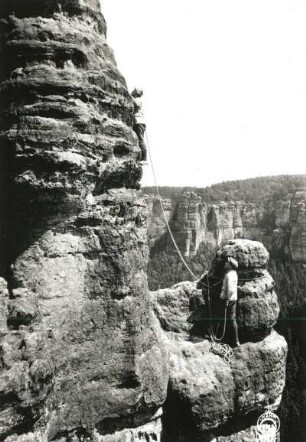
(209, 398)
(78, 350)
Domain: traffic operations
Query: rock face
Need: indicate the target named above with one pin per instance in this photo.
(4, 297)
(298, 226)
(79, 350)
(190, 223)
(280, 225)
(156, 217)
(209, 399)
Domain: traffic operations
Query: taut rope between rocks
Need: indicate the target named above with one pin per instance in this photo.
(164, 214)
(214, 337)
(168, 226)
(223, 350)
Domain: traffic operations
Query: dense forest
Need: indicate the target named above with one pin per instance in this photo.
(253, 190)
(166, 269)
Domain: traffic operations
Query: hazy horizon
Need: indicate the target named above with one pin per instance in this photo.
(231, 181)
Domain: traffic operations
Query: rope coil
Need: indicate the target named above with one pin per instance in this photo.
(217, 347)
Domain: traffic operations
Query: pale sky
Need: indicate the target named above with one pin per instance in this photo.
(224, 84)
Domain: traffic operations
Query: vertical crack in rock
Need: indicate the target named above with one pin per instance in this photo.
(79, 351)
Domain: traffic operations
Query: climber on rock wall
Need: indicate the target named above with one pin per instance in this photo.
(229, 294)
(139, 125)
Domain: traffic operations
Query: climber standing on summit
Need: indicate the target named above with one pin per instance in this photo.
(139, 125)
(229, 294)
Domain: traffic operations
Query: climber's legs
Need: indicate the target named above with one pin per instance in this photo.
(140, 131)
(231, 315)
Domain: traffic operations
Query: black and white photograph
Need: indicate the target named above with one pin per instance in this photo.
(152, 221)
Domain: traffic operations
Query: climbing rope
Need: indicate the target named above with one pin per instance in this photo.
(221, 349)
(164, 215)
(217, 347)
(214, 337)
(168, 226)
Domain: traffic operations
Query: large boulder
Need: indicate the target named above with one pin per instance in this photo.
(258, 306)
(176, 306)
(207, 395)
(249, 254)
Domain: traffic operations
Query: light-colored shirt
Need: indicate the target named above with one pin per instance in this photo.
(139, 115)
(229, 287)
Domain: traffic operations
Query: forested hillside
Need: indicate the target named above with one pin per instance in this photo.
(253, 190)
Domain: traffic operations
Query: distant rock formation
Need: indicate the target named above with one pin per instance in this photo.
(190, 223)
(279, 225)
(297, 220)
(156, 217)
(209, 399)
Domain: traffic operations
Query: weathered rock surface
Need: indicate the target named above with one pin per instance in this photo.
(258, 307)
(79, 349)
(156, 217)
(93, 355)
(190, 223)
(66, 115)
(298, 226)
(150, 432)
(207, 397)
(4, 297)
(174, 306)
(248, 254)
